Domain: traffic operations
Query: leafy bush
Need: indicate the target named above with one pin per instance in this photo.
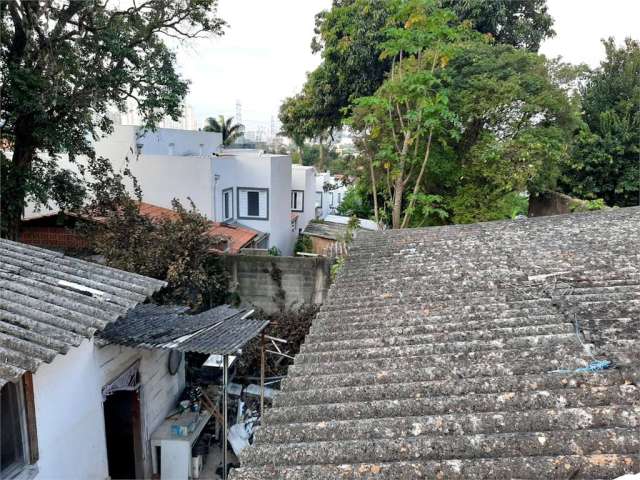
(303, 244)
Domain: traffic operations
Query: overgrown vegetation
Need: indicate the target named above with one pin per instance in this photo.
(303, 244)
(290, 325)
(178, 249)
(605, 157)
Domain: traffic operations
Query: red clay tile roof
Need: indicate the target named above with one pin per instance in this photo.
(238, 236)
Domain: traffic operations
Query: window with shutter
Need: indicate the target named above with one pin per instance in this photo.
(253, 203)
(297, 200)
(227, 204)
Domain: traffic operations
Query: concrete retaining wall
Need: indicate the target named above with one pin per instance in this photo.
(274, 283)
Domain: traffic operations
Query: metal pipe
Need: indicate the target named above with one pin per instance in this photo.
(225, 384)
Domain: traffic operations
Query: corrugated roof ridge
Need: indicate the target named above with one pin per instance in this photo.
(355, 394)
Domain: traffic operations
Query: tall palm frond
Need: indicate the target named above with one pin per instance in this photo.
(230, 131)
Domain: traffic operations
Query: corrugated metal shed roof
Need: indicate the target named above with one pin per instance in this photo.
(459, 352)
(50, 302)
(221, 330)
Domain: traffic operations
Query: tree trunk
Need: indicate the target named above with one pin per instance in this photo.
(374, 190)
(14, 179)
(321, 159)
(416, 187)
(397, 203)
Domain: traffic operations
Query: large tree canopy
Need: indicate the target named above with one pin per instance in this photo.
(64, 64)
(521, 23)
(605, 161)
(349, 38)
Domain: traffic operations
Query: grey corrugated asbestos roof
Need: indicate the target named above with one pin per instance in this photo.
(221, 330)
(331, 231)
(50, 302)
(438, 350)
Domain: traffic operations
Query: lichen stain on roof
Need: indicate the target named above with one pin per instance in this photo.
(451, 352)
(50, 303)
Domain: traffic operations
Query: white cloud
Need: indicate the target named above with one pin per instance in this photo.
(581, 24)
(262, 58)
(265, 53)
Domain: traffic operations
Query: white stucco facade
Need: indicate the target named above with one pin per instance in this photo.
(303, 179)
(169, 164)
(332, 192)
(238, 171)
(69, 409)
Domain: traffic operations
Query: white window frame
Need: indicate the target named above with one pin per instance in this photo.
(16, 469)
(295, 194)
(229, 193)
(319, 205)
(241, 190)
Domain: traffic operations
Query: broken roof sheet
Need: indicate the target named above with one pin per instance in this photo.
(452, 352)
(50, 302)
(221, 330)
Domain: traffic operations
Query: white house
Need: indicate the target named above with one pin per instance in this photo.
(88, 375)
(330, 192)
(55, 416)
(253, 188)
(303, 195)
(167, 163)
(247, 187)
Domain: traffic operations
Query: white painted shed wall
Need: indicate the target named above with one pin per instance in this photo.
(69, 413)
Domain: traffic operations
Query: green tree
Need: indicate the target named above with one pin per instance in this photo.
(517, 125)
(350, 37)
(230, 131)
(64, 64)
(176, 248)
(606, 155)
(521, 23)
(515, 119)
(409, 114)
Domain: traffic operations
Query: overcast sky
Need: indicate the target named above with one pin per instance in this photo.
(265, 54)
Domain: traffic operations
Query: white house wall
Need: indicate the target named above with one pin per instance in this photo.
(159, 390)
(163, 178)
(281, 234)
(170, 141)
(304, 178)
(69, 413)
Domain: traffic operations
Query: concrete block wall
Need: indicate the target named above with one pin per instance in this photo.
(273, 283)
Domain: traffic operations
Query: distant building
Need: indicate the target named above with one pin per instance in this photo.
(330, 192)
(187, 121)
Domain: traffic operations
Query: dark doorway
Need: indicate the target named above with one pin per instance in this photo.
(122, 426)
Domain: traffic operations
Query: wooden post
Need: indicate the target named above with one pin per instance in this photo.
(225, 385)
(262, 374)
